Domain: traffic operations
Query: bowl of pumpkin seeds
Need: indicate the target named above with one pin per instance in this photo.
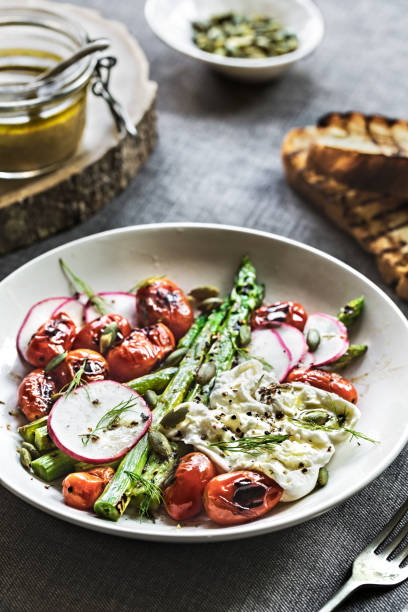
(253, 40)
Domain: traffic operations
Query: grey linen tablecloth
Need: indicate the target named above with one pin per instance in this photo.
(217, 160)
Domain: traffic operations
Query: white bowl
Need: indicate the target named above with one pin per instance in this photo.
(194, 255)
(171, 21)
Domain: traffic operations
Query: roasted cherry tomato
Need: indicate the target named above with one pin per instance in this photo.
(140, 352)
(95, 369)
(280, 312)
(82, 489)
(34, 394)
(53, 337)
(239, 497)
(183, 498)
(90, 335)
(162, 300)
(328, 381)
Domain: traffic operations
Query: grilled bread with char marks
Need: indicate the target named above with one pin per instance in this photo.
(377, 220)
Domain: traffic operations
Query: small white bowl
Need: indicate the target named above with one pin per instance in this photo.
(171, 21)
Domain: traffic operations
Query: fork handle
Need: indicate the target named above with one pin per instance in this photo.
(347, 588)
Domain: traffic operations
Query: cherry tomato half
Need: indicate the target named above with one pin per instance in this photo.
(328, 381)
(140, 352)
(34, 394)
(89, 336)
(82, 489)
(54, 336)
(95, 369)
(292, 313)
(162, 300)
(239, 497)
(183, 498)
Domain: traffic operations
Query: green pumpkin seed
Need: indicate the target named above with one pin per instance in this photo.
(160, 443)
(108, 337)
(210, 304)
(151, 398)
(206, 372)
(174, 358)
(323, 477)
(25, 458)
(34, 452)
(55, 361)
(316, 417)
(174, 417)
(244, 335)
(313, 339)
(204, 292)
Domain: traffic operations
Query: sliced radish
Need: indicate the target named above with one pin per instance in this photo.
(117, 302)
(72, 418)
(307, 361)
(36, 316)
(266, 344)
(294, 340)
(73, 308)
(333, 337)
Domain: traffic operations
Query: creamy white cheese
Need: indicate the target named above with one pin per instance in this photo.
(248, 401)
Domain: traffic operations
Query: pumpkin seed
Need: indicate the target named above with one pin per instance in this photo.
(313, 339)
(25, 458)
(206, 372)
(204, 292)
(34, 452)
(150, 398)
(108, 337)
(316, 417)
(174, 417)
(174, 358)
(323, 477)
(160, 443)
(210, 304)
(55, 361)
(244, 335)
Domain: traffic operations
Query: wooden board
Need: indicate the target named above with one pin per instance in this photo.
(104, 164)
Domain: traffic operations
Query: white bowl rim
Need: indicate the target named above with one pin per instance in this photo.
(223, 533)
(233, 62)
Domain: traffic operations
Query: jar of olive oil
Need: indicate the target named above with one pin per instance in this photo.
(41, 122)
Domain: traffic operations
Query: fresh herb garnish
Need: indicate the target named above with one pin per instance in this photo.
(76, 381)
(110, 419)
(80, 286)
(152, 493)
(338, 427)
(252, 445)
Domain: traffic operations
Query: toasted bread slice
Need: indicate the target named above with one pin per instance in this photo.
(378, 221)
(368, 152)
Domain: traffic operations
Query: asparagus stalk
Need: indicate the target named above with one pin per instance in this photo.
(52, 465)
(351, 311)
(187, 340)
(353, 352)
(27, 432)
(115, 498)
(156, 472)
(156, 381)
(42, 440)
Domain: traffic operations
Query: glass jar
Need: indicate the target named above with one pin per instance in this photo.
(41, 124)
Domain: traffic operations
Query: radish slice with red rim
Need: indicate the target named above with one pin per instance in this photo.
(267, 345)
(36, 316)
(307, 361)
(117, 302)
(333, 337)
(74, 309)
(294, 340)
(84, 427)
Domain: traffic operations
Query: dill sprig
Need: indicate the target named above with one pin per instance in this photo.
(251, 445)
(312, 426)
(152, 493)
(110, 419)
(80, 286)
(76, 381)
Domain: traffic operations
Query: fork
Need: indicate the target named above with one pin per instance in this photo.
(376, 568)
